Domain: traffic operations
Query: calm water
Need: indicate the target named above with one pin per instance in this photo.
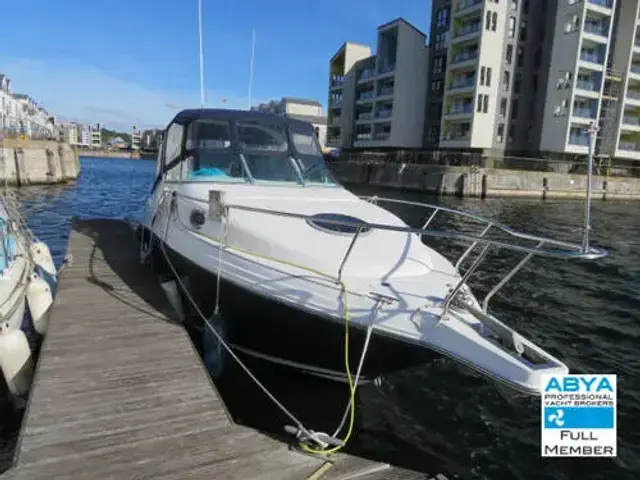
(438, 417)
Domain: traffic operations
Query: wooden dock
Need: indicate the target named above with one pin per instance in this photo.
(120, 391)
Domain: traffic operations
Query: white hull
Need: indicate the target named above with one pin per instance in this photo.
(395, 265)
(20, 284)
(246, 198)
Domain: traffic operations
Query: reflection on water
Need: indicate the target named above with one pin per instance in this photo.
(438, 417)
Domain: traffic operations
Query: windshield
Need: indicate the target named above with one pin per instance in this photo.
(309, 157)
(209, 155)
(266, 155)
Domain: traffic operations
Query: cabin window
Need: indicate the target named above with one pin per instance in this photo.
(262, 136)
(266, 151)
(209, 155)
(172, 150)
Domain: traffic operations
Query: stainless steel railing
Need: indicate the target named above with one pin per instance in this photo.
(541, 246)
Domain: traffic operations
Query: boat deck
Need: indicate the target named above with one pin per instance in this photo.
(120, 391)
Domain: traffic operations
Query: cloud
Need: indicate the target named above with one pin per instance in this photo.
(85, 93)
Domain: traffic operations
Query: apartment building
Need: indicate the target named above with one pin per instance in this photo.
(300, 109)
(490, 73)
(438, 50)
(620, 132)
(19, 113)
(581, 77)
(342, 85)
(378, 100)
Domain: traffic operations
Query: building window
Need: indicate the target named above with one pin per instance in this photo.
(503, 107)
(512, 27)
(517, 83)
(523, 30)
(500, 133)
(512, 133)
(506, 80)
(488, 22)
(514, 4)
(514, 110)
(520, 57)
(488, 83)
(483, 103)
(572, 24)
(482, 73)
(494, 21)
(509, 56)
(442, 18)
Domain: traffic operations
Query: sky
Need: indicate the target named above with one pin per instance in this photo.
(135, 62)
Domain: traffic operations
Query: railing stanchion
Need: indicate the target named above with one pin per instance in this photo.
(506, 278)
(348, 252)
(463, 280)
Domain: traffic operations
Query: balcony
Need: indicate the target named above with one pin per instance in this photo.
(360, 136)
(335, 102)
(635, 69)
(362, 116)
(592, 59)
(464, 56)
(461, 82)
(386, 69)
(579, 138)
(386, 91)
(588, 85)
(467, 6)
(596, 30)
(633, 95)
(456, 137)
(600, 4)
(366, 75)
(384, 112)
(467, 30)
(460, 109)
(631, 121)
(636, 42)
(629, 146)
(336, 81)
(381, 136)
(364, 96)
(585, 113)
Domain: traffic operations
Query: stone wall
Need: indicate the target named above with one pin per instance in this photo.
(33, 162)
(482, 182)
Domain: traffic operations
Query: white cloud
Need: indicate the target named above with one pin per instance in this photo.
(84, 93)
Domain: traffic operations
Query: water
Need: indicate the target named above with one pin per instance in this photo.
(439, 417)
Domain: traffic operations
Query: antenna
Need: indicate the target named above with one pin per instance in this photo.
(253, 50)
(201, 55)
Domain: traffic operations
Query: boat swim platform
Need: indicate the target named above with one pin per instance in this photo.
(121, 392)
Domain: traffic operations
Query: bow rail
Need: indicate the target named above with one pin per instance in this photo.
(539, 245)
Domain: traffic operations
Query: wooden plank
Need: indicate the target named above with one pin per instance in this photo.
(120, 391)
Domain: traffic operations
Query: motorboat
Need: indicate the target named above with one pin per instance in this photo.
(28, 279)
(246, 215)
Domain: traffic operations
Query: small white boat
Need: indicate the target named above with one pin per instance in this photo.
(27, 284)
(246, 198)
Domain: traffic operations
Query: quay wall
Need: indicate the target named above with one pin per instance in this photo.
(36, 162)
(100, 153)
(482, 182)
